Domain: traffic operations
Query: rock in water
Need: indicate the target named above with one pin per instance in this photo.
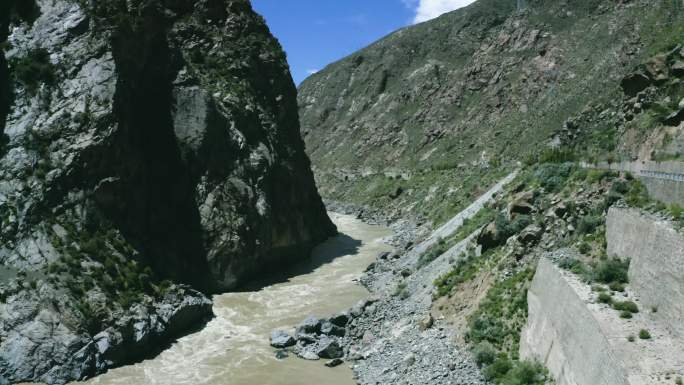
(150, 159)
(309, 355)
(330, 329)
(311, 325)
(280, 339)
(340, 319)
(329, 348)
(334, 363)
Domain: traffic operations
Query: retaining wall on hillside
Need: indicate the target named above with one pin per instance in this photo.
(664, 180)
(656, 272)
(563, 334)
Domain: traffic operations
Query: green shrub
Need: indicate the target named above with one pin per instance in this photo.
(612, 270)
(605, 298)
(631, 338)
(505, 372)
(557, 155)
(552, 176)
(626, 306)
(589, 223)
(33, 69)
(502, 313)
(499, 368)
(432, 253)
(525, 373)
(576, 267)
(506, 228)
(619, 187)
(644, 334)
(584, 247)
(617, 286)
(625, 314)
(637, 195)
(467, 266)
(485, 353)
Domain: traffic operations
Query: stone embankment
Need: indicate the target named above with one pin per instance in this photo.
(585, 342)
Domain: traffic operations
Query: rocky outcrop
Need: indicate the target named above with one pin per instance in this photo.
(150, 145)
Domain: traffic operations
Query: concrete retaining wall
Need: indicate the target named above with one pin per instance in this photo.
(664, 180)
(563, 334)
(656, 272)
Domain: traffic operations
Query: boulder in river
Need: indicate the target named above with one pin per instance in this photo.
(311, 325)
(340, 319)
(281, 339)
(309, 355)
(329, 348)
(334, 363)
(330, 329)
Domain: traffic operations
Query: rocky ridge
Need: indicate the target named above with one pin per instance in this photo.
(151, 153)
(429, 117)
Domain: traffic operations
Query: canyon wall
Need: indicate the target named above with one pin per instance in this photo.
(151, 152)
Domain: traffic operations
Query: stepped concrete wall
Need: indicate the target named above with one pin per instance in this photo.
(562, 333)
(656, 272)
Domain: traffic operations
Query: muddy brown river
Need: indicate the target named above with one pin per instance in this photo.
(232, 349)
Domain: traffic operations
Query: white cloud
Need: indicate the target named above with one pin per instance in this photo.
(429, 9)
(311, 71)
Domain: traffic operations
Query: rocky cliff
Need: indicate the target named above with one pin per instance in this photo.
(151, 151)
(436, 112)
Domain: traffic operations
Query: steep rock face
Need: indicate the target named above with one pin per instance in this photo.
(434, 110)
(150, 145)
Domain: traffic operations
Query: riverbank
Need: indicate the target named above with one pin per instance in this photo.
(233, 347)
(394, 338)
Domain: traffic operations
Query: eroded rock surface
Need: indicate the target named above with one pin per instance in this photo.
(151, 152)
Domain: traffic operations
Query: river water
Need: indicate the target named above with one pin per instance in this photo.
(232, 349)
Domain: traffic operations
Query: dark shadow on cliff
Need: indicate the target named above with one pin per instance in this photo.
(335, 247)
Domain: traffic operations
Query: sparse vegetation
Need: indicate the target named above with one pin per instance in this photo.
(501, 314)
(626, 306)
(401, 291)
(612, 271)
(34, 69)
(605, 298)
(485, 353)
(432, 253)
(466, 267)
(644, 334)
(505, 372)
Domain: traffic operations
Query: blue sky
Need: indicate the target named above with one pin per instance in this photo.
(315, 33)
